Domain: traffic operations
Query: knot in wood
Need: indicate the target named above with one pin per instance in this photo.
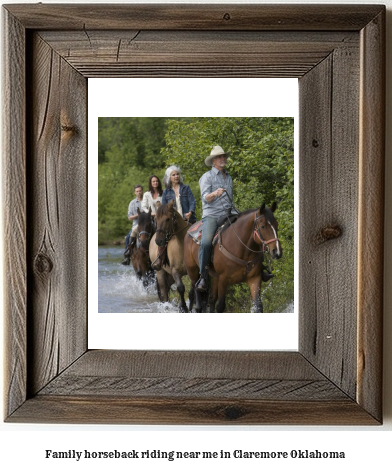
(227, 16)
(315, 143)
(69, 128)
(232, 413)
(329, 232)
(43, 264)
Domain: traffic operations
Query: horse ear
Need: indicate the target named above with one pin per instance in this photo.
(262, 207)
(171, 204)
(138, 211)
(149, 210)
(274, 207)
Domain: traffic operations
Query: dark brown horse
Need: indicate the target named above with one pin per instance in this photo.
(237, 257)
(140, 253)
(167, 252)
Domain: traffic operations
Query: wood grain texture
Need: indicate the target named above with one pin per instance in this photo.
(329, 98)
(14, 209)
(371, 215)
(57, 210)
(195, 53)
(335, 378)
(206, 374)
(192, 387)
(102, 409)
(195, 17)
(208, 364)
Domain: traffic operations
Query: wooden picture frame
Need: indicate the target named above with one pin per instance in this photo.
(338, 54)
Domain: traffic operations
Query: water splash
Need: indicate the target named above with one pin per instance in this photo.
(120, 291)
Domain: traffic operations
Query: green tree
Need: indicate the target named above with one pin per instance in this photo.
(128, 153)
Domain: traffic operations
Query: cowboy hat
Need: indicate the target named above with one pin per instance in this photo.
(216, 151)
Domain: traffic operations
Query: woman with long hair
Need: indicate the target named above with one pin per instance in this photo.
(153, 196)
(184, 201)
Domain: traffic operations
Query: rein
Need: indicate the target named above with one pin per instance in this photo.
(149, 234)
(255, 234)
(168, 235)
(140, 245)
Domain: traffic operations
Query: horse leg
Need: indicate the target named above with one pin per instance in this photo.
(222, 287)
(193, 273)
(214, 294)
(191, 297)
(162, 287)
(151, 277)
(199, 301)
(254, 286)
(181, 290)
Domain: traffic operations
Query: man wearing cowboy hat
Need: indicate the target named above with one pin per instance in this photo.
(216, 187)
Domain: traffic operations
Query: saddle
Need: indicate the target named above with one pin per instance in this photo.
(223, 222)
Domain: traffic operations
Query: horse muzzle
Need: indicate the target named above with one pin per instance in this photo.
(160, 242)
(277, 253)
(144, 245)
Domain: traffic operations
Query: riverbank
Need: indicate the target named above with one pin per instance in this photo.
(120, 241)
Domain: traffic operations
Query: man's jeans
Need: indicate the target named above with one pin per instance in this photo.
(209, 228)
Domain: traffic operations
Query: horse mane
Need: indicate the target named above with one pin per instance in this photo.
(163, 211)
(245, 213)
(267, 212)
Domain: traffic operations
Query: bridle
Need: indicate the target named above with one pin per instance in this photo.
(257, 234)
(170, 232)
(149, 234)
(168, 235)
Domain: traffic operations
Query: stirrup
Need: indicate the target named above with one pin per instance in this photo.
(202, 282)
(267, 276)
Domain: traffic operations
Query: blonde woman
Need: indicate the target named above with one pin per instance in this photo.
(184, 200)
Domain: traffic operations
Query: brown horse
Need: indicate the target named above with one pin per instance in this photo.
(167, 252)
(140, 253)
(237, 257)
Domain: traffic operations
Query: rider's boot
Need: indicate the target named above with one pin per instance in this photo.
(128, 252)
(202, 282)
(265, 274)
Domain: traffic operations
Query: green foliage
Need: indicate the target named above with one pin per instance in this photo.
(128, 153)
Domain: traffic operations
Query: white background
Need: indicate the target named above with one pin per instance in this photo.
(367, 449)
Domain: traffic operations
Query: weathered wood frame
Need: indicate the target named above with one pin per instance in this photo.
(337, 52)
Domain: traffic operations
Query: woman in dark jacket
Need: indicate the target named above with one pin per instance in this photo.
(184, 201)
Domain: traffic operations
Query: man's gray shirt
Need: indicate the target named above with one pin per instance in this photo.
(210, 182)
(132, 210)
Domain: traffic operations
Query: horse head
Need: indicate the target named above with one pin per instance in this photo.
(145, 229)
(266, 230)
(165, 218)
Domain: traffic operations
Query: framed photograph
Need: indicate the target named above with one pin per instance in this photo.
(337, 53)
(261, 164)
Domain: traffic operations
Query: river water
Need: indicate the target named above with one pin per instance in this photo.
(120, 291)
